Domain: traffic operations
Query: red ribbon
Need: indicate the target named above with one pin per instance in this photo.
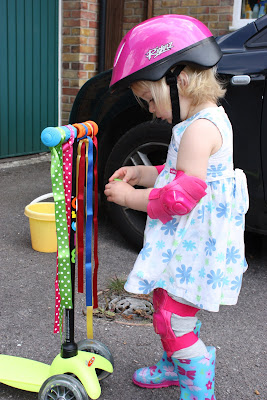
(80, 218)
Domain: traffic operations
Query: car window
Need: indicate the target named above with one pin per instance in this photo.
(259, 40)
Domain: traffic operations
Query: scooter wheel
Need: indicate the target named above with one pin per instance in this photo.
(94, 346)
(62, 387)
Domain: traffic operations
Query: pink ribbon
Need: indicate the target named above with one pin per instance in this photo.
(67, 150)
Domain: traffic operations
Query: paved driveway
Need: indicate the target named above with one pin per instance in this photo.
(27, 302)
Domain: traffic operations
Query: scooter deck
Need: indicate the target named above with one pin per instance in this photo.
(23, 373)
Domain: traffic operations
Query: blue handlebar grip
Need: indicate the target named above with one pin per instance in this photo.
(51, 136)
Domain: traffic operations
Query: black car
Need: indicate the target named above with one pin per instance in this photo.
(128, 135)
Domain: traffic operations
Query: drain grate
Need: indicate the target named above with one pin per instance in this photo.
(131, 306)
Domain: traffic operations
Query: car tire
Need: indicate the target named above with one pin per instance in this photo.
(145, 144)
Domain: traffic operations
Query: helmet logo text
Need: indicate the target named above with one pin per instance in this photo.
(153, 53)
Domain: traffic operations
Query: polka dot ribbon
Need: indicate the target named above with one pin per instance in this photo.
(64, 270)
(67, 149)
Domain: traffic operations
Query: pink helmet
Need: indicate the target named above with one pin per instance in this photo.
(152, 48)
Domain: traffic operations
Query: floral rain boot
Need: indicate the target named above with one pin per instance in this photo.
(197, 376)
(163, 374)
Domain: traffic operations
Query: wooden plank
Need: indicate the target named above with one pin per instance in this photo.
(114, 21)
(150, 6)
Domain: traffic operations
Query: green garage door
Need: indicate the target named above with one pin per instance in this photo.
(28, 74)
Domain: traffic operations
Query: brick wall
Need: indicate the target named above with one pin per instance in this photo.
(134, 13)
(79, 49)
(216, 14)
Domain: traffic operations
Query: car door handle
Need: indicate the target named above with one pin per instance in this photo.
(239, 80)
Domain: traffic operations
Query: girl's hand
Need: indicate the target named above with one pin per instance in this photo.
(130, 175)
(118, 192)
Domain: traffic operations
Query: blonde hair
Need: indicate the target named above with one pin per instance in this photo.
(203, 85)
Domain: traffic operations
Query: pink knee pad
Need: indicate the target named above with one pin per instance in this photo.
(164, 307)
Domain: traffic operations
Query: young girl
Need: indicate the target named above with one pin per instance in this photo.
(193, 254)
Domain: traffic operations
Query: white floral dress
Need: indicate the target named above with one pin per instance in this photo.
(199, 257)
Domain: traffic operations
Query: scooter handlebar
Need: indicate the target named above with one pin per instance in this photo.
(51, 136)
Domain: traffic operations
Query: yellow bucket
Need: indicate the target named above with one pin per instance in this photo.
(42, 224)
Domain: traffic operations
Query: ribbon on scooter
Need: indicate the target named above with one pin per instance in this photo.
(93, 127)
(82, 129)
(64, 270)
(95, 303)
(80, 212)
(85, 157)
(67, 150)
(89, 223)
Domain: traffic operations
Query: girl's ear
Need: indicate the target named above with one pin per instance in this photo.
(183, 79)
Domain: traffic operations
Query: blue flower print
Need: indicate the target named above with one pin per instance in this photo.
(201, 214)
(210, 206)
(169, 227)
(232, 255)
(214, 184)
(146, 287)
(178, 129)
(225, 281)
(152, 223)
(237, 283)
(160, 244)
(183, 273)
(181, 232)
(234, 191)
(202, 273)
(173, 144)
(140, 274)
(161, 283)
(222, 210)
(210, 246)
(146, 250)
(239, 220)
(163, 173)
(167, 256)
(215, 171)
(220, 257)
(215, 279)
(189, 245)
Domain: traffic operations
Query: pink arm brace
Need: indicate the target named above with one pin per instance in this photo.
(179, 197)
(159, 168)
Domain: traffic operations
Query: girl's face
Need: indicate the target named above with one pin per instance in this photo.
(161, 112)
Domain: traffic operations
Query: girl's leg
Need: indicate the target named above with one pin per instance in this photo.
(182, 326)
(194, 365)
(162, 374)
(197, 376)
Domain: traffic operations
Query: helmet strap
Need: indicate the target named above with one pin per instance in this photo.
(171, 80)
